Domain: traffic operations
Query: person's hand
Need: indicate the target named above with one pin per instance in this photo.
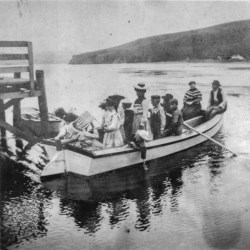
(57, 138)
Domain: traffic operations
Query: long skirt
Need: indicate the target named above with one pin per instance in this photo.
(113, 139)
(191, 111)
(123, 133)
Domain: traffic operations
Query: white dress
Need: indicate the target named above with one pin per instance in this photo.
(112, 136)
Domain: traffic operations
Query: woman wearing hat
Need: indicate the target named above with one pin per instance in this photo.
(217, 103)
(111, 125)
(191, 102)
(141, 106)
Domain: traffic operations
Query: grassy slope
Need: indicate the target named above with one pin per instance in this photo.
(222, 40)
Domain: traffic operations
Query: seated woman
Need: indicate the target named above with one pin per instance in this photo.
(111, 125)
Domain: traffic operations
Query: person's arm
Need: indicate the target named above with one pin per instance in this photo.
(145, 107)
(163, 119)
(224, 99)
(209, 100)
(175, 119)
(122, 115)
(114, 122)
(185, 98)
(62, 133)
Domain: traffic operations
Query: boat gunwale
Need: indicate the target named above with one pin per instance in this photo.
(130, 150)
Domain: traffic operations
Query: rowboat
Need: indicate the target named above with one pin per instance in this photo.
(74, 159)
(31, 120)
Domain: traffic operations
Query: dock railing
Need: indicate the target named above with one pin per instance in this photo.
(14, 87)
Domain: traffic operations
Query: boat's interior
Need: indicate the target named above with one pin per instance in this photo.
(194, 122)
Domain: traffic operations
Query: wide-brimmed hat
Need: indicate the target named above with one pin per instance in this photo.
(83, 120)
(102, 104)
(216, 82)
(145, 135)
(140, 86)
(167, 97)
(116, 97)
(111, 102)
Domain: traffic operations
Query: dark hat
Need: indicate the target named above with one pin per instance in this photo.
(110, 102)
(60, 112)
(216, 82)
(155, 97)
(173, 101)
(167, 97)
(192, 82)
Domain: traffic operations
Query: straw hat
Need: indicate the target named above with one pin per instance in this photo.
(140, 86)
(126, 101)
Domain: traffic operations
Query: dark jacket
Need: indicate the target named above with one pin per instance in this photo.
(219, 97)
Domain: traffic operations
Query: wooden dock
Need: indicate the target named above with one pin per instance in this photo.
(14, 88)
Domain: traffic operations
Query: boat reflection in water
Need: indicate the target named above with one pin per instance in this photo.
(83, 197)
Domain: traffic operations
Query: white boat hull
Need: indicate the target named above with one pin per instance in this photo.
(111, 159)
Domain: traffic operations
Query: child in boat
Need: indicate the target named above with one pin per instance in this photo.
(157, 117)
(141, 106)
(128, 120)
(176, 119)
(84, 130)
(111, 126)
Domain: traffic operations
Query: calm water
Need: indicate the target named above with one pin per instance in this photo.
(197, 199)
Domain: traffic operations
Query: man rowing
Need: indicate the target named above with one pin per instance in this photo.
(217, 103)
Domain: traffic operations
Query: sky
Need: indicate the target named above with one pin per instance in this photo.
(66, 27)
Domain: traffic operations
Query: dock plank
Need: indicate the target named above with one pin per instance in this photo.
(20, 94)
(7, 57)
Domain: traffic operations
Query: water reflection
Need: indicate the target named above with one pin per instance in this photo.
(83, 197)
(23, 204)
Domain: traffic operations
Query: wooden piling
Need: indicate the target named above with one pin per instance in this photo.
(2, 117)
(42, 101)
(17, 107)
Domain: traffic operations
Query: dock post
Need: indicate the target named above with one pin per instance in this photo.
(17, 108)
(2, 117)
(42, 101)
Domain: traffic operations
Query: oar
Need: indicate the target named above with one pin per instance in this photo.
(209, 138)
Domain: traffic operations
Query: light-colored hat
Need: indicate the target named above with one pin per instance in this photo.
(145, 135)
(140, 86)
(83, 121)
(126, 101)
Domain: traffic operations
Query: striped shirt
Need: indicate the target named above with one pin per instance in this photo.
(191, 95)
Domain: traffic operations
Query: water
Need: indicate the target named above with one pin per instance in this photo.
(197, 199)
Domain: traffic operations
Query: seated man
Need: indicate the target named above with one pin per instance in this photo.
(217, 103)
(157, 117)
(191, 102)
(176, 119)
(166, 106)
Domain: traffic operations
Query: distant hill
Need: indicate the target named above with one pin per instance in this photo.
(220, 41)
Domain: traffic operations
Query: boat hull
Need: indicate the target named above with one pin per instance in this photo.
(109, 160)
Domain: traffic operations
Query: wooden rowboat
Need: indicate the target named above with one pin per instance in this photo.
(72, 158)
(31, 120)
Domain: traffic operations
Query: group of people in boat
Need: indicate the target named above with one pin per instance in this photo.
(127, 123)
